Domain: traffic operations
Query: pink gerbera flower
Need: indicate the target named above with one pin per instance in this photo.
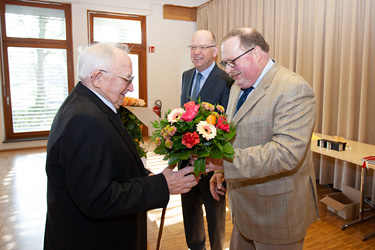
(175, 115)
(207, 130)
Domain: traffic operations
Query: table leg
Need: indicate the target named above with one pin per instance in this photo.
(366, 236)
(361, 204)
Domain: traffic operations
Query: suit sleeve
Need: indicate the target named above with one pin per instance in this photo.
(101, 175)
(225, 97)
(184, 90)
(226, 83)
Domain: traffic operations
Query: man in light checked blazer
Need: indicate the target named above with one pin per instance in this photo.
(271, 181)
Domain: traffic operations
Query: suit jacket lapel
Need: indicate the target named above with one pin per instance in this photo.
(256, 94)
(112, 117)
(209, 84)
(117, 123)
(190, 78)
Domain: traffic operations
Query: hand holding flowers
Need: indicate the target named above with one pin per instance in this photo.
(179, 182)
(211, 164)
(199, 129)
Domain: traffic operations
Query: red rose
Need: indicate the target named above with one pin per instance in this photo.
(222, 124)
(190, 139)
(191, 111)
(191, 105)
(224, 127)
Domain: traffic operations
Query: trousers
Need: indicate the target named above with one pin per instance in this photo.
(194, 220)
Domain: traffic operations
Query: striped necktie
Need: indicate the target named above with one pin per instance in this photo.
(197, 87)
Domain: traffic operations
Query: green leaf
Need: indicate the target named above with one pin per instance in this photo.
(216, 154)
(199, 166)
(173, 160)
(130, 126)
(227, 148)
(230, 156)
(160, 150)
(155, 124)
(205, 153)
(219, 146)
(231, 134)
(177, 145)
(185, 155)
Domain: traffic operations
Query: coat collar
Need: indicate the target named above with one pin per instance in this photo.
(256, 95)
(209, 83)
(112, 117)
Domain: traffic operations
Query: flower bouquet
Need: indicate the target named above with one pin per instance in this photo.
(199, 130)
(132, 123)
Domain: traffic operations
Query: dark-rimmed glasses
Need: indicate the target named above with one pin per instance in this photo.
(231, 63)
(127, 80)
(201, 48)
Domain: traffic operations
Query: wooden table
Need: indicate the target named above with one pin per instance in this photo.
(353, 153)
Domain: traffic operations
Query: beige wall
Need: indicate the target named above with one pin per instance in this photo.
(164, 67)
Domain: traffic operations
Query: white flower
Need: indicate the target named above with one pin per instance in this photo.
(175, 115)
(207, 130)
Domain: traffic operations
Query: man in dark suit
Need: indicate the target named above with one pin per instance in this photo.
(98, 189)
(211, 84)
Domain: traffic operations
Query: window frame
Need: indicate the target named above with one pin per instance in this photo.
(7, 42)
(138, 49)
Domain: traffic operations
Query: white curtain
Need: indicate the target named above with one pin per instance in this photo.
(328, 42)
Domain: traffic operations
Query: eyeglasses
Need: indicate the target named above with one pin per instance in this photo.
(201, 48)
(127, 80)
(231, 63)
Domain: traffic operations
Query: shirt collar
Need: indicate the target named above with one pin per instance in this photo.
(205, 73)
(106, 102)
(265, 70)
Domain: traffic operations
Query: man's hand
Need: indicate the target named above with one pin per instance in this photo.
(211, 164)
(179, 182)
(214, 164)
(216, 186)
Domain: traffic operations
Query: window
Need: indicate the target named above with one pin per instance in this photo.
(128, 29)
(37, 68)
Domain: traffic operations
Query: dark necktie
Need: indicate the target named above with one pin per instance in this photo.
(197, 86)
(243, 97)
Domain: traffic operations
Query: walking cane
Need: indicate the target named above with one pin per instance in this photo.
(161, 227)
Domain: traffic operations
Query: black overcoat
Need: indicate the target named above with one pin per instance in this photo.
(98, 189)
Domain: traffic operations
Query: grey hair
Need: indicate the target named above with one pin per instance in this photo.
(249, 38)
(96, 57)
